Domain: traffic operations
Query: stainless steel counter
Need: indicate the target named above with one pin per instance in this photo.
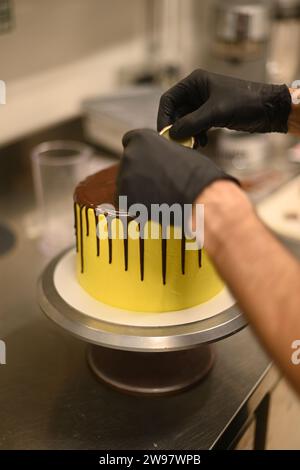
(50, 399)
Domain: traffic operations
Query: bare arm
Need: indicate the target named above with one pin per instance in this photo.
(294, 117)
(261, 273)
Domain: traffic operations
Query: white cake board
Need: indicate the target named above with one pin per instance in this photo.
(69, 306)
(73, 294)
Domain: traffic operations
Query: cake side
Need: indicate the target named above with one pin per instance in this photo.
(131, 272)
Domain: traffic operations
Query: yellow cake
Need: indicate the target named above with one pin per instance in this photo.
(134, 273)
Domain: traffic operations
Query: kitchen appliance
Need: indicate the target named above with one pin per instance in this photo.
(241, 153)
(6, 16)
(163, 44)
(107, 118)
(240, 42)
(283, 59)
(240, 46)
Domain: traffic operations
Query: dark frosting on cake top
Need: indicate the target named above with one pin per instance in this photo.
(96, 189)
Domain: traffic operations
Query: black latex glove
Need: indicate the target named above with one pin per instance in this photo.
(154, 170)
(204, 100)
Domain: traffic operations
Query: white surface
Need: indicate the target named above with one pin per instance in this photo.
(69, 289)
(274, 210)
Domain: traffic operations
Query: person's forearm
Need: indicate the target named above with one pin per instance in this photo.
(294, 117)
(263, 276)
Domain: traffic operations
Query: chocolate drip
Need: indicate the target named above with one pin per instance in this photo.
(81, 238)
(163, 249)
(200, 257)
(142, 251)
(96, 189)
(75, 226)
(183, 252)
(109, 230)
(87, 221)
(125, 228)
(164, 258)
(108, 219)
(97, 238)
(141, 243)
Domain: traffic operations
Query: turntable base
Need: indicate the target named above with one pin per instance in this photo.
(157, 373)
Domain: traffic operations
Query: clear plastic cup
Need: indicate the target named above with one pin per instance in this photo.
(57, 168)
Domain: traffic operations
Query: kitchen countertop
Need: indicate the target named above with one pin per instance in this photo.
(51, 400)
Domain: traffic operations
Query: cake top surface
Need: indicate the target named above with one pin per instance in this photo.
(98, 188)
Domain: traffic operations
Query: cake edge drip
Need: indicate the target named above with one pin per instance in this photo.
(80, 242)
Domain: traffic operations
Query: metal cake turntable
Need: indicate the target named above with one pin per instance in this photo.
(132, 351)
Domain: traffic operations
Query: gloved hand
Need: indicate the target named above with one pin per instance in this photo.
(204, 100)
(154, 170)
